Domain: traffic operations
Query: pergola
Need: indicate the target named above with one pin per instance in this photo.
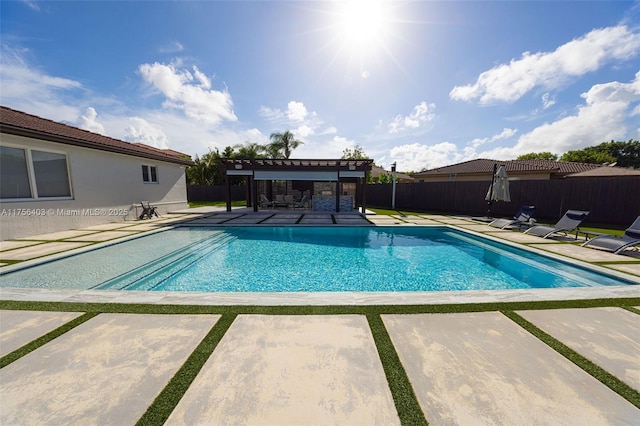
(261, 169)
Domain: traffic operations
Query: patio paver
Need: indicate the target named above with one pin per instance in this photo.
(39, 250)
(57, 235)
(584, 253)
(479, 227)
(10, 245)
(112, 226)
(316, 220)
(482, 368)
(291, 370)
(609, 337)
(107, 370)
(632, 268)
(21, 327)
(103, 236)
(519, 237)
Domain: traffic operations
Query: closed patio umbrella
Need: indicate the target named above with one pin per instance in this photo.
(499, 189)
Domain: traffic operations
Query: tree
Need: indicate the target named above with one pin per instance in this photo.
(250, 150)
(538, 156)
(624, 154)
(627, 154)
(357, 153)
(206, 170)
(588, 155)
(283, 144)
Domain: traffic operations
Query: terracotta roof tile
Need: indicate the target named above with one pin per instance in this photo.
(23, 124)
(481, 166)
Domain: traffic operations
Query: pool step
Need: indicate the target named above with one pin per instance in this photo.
(147, 276)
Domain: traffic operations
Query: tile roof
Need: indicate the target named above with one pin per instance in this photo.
(605, 171)
(23, 124)
(481, 166)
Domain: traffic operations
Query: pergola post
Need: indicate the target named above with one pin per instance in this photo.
(227, 192)
(254, 193)
(363, 183)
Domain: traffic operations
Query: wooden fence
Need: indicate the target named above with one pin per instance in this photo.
(215, 193)
(611, 200)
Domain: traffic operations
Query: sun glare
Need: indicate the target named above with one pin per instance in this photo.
(361, 23)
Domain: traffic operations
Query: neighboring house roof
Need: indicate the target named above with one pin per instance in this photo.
(22, 124)
(605, 171)
(483, 166)
(400, 177)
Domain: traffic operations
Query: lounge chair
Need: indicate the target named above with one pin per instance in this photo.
(617, 245)
(521, 218)
(148, 210)
(567, 223)
(265, 202)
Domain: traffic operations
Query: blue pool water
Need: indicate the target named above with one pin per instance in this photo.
(306, 259)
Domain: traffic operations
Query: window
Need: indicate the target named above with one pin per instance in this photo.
(50, 170)
(149, 174)
(30, 173)
(15, 176)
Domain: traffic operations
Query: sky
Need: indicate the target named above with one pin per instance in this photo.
(424, 84)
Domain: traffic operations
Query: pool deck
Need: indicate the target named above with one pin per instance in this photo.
(464, 368)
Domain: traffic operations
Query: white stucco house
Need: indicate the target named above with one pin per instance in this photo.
(56, 177)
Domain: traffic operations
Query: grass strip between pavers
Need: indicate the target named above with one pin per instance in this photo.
(46, 338)
(600, 374)
(403, 394)
(131, 308)
(160, 409)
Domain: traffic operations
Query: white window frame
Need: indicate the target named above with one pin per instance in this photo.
(32, 175)
(149, 174)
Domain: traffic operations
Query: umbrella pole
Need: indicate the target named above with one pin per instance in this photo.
(493, 179)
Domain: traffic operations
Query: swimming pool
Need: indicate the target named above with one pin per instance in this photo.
(306, 259)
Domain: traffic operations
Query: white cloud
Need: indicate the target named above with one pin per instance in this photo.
(415, 156)
(329, 148)
(173, 47)
(601, 118)
(296, 117)
(421, 113)
(509, 82)
(141, 131)
(32, 5)
(296, 111)
(87, 121)
(547, 101)
(505, 134)
(271, 114)
(196, 100)
(303, 131)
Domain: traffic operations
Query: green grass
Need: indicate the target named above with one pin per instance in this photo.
(404, 397)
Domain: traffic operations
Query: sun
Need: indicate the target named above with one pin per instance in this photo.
(361, 23)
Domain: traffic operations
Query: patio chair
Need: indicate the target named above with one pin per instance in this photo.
(567, 223)
(148, 210)
(300, 204)
(523, 217)
(265, 202)
(617, 245)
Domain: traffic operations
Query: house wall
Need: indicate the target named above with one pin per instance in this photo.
(106, 187)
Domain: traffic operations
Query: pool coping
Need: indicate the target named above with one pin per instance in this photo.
(324, 298)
